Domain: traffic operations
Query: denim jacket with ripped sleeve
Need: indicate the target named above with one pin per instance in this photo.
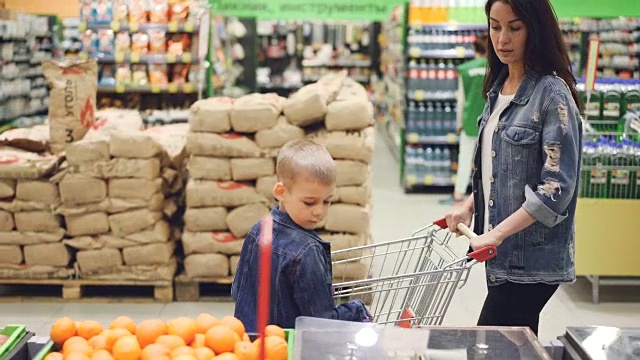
(301, 278)
(536, 152)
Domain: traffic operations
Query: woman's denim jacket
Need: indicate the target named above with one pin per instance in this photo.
(536, 151)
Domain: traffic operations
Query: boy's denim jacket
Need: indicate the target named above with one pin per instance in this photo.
(536, 151)
(301, 277)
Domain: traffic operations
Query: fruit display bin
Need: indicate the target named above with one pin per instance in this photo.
(15, 333)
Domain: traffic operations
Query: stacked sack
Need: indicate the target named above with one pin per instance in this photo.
(30, 232)
(232, 148)
(339, 115)
(118, 195)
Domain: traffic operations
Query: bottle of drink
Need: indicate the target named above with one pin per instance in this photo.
(411, 117)
(420, 165)
(412, 76)
(438, 162)
(428, 162)
(446, 120)
(620, 177)
(636, 150)
(409, 161)
(446, 164)
(437, 119)
(420, 120)
(611, 101)
(424, 72)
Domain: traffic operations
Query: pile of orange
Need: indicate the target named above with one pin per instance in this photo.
(183, 338)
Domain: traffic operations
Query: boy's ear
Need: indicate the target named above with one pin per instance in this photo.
(279, 190)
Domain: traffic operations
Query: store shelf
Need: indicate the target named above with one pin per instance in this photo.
(415, 138)
(151, 89)
(280, 86)
(459, 53)
(187, 27)
(186, 58)
(449, 27)
(421, 95)
(337, 63)
(360, 79)
(412, 180)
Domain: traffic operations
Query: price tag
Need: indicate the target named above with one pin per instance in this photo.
(414, 52)
(134, 27)
(82, 26)
(135, 57)
(188, 88)
(429, 180)
(461, 51)
(412, 180)
(452, 138)
(413, 138)
(119, 57)
(115, 25)
(172, 88)
(189, 26)
(120, 88)
(171, 58)
(187, 58)
(173, 26)
(155, 88)
(420, 95)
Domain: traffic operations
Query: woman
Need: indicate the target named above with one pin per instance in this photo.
(526, 164)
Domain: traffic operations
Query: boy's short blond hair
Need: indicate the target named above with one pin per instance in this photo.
(305, 156)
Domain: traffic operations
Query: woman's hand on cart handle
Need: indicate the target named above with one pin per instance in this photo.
(462, 216)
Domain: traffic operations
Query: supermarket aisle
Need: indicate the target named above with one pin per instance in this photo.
(395, 215)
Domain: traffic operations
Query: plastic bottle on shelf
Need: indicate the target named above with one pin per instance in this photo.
(428, 162)
(452, 120)
(438, 164)
(420, 120)
(446, 165)
(437, 118)
(409, 160)
(620, 178)
(636, 155)
(423, 75)
(592, 109)
(411, 118)
(422, 165)
(432, 75)
(611, 104)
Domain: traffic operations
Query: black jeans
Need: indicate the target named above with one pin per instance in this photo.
(512, 304)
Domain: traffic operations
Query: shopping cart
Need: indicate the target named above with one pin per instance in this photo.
(409, 281)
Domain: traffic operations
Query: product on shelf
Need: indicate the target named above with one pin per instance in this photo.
(159, 11)
(139, 75)
(157, 41)
(123, 74)
(123, 42)
(89, 41)
(158, 74)
(106, 41)
(138, 11)
(179, 44)
(120, 10)
(180, 10)
(179, 74)
(140, 43)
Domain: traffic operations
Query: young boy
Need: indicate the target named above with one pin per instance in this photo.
(301, 272)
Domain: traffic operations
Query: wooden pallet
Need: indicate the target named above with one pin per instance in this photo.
(78, 289)
(191, 289)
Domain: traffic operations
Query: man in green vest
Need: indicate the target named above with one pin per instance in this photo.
(470, 107)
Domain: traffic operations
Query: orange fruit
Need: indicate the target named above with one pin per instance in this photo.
(76, 344)
(99, 342)
(184, 357)
(90, 328)
(246, 337)
(124, 322)
(63, 329)
(221, 338)
(275, 330)
(113, 335)
(246, 351)
(227, 356)
(102, 355)
(182, 350)
(149, 330)
(234, 324)
(127, 348)
(170, 341)
(205, 322)
(76, 356)
(155, 352)
(184, 327)
(54, 356)
(275, 347)
(204, 353)
(198, 341)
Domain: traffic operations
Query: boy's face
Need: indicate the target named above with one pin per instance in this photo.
(306, 200)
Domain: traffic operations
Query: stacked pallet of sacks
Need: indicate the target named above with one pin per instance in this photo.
(30, 232)
(118, 196)
(232, 146)
(338, 114)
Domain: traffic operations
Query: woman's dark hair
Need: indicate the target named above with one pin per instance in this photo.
(480, 45)
(545, 49)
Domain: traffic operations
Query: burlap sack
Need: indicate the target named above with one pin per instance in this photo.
(221, 145)
(133, 221)
(106, 258)
(307, 106)
(206, 266)
(157, 202)
(34, 138)
(206, 219)
(164, 272)
(251, 169)
(10, 254)
(87, 224)
(351, 173)
(38, 191)
(209, 168)
(37, 221)
(264, 187)
(9, 271)
(7, 188)
(233, 264)
(115, 121)
(349, 115)
(348, 145)
(357, 195)
(85, 242)
(211, 242)
(211, 115)
(152, 254)
(72, 103)
(135, 188)
(159, 232)
(278, 135)
(201, 193)
(169, 176)
(20, 164)
(77, 189)
(121, 168)
(347, 218)
(29, 238)
(6, 221)
(173, 139)
(87, 151)
(133, 145)
(15, 206)
(54, 254)
(256, 112)
(241, 219)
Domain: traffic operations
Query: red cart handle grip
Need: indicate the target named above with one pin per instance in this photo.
(480, 255)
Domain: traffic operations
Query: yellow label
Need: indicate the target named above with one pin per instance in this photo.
(82, 26)
(135, 57)
(186, 58)
(155, 88)
(119, 57)
(134, 27)
(452, 138)
(120, 88)
(115, 26)
(189, 26)
(429, 180)
(413, 138)
(414, 51)
(172, 88)
(454, 178)
(188, 88)
(412, 180)
(84, 56)
(171, 58)
(420, 95)
(173, 26)
(461, 51)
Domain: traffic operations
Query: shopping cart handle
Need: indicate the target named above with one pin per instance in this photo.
(484, 254)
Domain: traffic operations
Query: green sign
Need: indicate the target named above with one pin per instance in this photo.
(373, 10)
